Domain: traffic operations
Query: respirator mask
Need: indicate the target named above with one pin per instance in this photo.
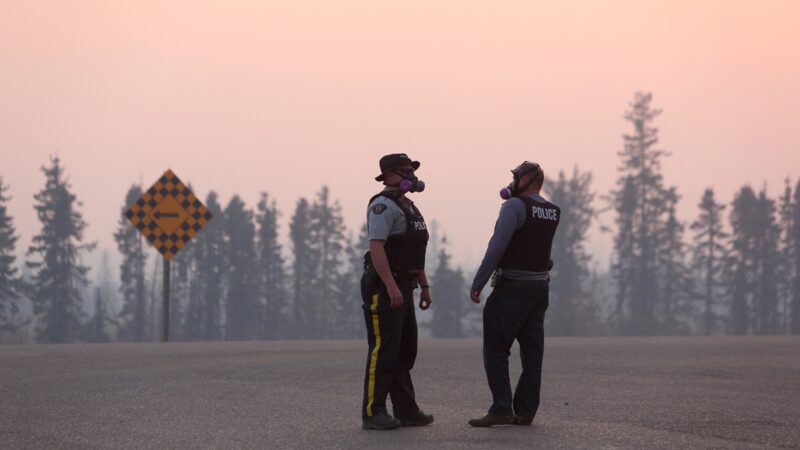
(513, 189)
(410, 182)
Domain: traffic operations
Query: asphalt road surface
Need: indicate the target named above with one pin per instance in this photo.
(683, 392)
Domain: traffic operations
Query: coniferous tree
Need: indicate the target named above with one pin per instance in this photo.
(741, 263)
(193, 325)
(754, 264)
(471, 317)
(570, 313)
(209, 254)
(793, 244)
(242, 309)
(106, 284)
(449, 286)
(100, 321)
(327, 238)
(784, 275)
(155, 297)
(212, 268)
(303, 270)
(675, 308)
(432, 253)
(767, 238)
(135, 318)
(271, 271)
(709, 257)
(192, 295)
(601, 295)
(789, 275)
(10, 283)
(58, 274)
(180, 292)
(361, 246)
(641, 203)
(623, 267)
(106, 289)
(348, 286)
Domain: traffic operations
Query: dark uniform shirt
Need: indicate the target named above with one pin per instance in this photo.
(513, 216)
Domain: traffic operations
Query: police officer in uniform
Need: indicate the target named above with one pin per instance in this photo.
(519, 256)
(393, 268)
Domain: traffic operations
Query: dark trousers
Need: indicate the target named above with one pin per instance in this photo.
(392, 337)
(515, 310)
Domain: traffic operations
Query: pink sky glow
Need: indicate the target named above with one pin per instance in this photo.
(283, 97)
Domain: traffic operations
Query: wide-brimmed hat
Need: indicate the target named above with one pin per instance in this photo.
(393, 160)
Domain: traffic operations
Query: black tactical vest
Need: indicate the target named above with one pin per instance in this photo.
(530, 246)
(406, 252)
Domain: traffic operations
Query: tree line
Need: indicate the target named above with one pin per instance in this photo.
(232, 282)
(743, 278)
(734, 269)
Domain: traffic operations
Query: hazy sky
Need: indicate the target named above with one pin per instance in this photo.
(251, 96)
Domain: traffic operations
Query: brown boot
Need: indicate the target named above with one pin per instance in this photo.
(492, 419)
(418, 419)
(521, 420)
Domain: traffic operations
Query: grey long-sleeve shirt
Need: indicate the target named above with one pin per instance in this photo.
(512, 217)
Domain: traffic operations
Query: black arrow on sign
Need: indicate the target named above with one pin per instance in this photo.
(159, 214)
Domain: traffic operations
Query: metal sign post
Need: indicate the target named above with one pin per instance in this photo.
(168, 215)
(165, 307)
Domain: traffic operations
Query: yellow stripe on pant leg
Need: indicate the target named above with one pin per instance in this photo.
(374, 358)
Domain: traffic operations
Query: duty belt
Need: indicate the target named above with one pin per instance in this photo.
(521, 275)
(406, 274)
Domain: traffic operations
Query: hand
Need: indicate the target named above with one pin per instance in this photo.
(425, 299)
(475, 296)
(396, 297)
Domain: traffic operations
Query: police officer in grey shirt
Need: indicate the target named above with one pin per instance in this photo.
(393, 268)
(519, 257)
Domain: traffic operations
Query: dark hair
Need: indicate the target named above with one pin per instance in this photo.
(538, 179)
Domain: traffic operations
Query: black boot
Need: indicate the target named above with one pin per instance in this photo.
(381, 420)
(492, 419)
(418, 419)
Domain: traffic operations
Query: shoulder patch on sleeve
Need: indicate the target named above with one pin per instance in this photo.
(379, 208)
